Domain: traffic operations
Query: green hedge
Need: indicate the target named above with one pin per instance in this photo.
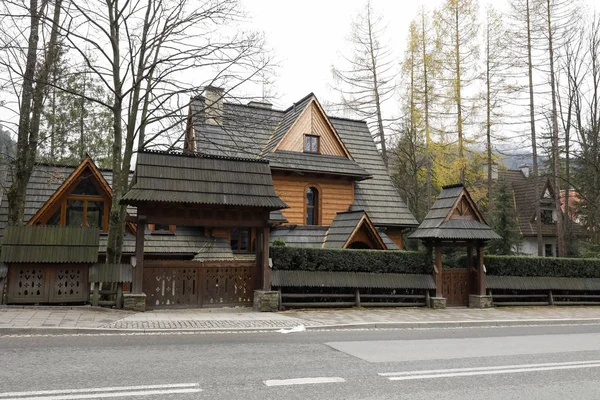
(311, 259)
(542, 266)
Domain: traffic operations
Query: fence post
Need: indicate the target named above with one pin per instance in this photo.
(427, 298)
(96, 298)
(357, 297)
(119, 295)
(550, 298)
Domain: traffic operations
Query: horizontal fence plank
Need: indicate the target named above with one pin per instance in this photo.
(320, 304)
(394, 304)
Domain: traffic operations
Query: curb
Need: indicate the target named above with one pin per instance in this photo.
(9, 331)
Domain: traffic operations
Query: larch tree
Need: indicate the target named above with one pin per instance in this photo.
(457, 30)
(365, 82)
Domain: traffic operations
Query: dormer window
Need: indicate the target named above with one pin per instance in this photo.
(547, 217)
(311, 144)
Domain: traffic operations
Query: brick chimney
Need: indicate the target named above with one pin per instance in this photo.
(213, 105)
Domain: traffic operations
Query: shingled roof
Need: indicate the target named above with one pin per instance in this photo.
(248, 131)
(523, 189)
(345, 225)
(320, 163)
(49, 244)
(202, 179)
(454, 216)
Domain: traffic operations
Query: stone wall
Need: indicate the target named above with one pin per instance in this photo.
(134, 302)
(480, 301)
(267, 301)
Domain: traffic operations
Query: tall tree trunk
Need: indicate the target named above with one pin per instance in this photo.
(560, 234)
(426, 105)
(461, 155)
(380, 132)
(116, 223)
(82, 150)
(32, 104)
(488, 124)
(538, 217)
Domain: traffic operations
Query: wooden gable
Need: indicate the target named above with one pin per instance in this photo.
(313, 121)
(465, 209)
(87, 168)
(365, 232)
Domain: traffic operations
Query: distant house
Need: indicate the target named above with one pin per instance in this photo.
(523, 187)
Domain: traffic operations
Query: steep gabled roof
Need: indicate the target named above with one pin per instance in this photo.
(246, 130)
(69, 183)
(523, 189)
(345, 227)
(454, 216)
(201, 179)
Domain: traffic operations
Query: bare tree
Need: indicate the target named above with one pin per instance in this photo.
(368, 80)
(27, 63)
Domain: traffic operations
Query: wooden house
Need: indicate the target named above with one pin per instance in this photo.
(200, 221)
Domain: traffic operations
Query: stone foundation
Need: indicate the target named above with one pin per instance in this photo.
(134, 302)
(476, 301)
(438, 303)
(267, 301)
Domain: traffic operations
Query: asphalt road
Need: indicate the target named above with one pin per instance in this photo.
(560, 362)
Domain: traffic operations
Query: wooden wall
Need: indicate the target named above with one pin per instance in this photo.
(335, 195)
(395, 234)
(311, 122)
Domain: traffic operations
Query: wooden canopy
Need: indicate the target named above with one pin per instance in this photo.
(454, 216)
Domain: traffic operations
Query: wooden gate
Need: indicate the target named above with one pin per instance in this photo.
(39, 283)
(189, 284)
(455, 286)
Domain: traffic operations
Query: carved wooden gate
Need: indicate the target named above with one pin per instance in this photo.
(38, 283)
(455, 286)
(186, 284)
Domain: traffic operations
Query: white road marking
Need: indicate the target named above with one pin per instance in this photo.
(105, 392)
(490, 372)
(498, 367)
(302, 381)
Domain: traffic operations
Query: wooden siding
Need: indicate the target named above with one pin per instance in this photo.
(362, 235)
(395, 235)
(312, 122)
(335, 195)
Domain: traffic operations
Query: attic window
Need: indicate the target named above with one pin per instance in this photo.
(547, 217)
(311, 144)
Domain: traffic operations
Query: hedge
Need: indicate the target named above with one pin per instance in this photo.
(347, 260)
(542, 266)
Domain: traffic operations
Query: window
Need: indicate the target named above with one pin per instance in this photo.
(240, 239)
(83, 206)
(547, 217)
(548, 250)
(311, 144)
(312, 206)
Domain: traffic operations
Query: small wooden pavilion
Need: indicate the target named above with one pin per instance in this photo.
(454, 220)
(195, 190)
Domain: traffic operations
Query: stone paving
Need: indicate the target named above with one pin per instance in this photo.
(64, 317)
(363, 316)
(246, 318)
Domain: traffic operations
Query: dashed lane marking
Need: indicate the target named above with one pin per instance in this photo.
(105, 392)
(493, 370)
(303, 381)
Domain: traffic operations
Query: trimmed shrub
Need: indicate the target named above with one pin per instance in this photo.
(542, 266)
(348, 260)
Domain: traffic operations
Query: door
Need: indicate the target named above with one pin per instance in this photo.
(39, 283)
(455, 286)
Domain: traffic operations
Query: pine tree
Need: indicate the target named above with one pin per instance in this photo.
(504, 221)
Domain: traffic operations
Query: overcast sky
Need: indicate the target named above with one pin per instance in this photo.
(308, 36)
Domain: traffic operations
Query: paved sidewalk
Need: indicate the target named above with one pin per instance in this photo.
(47, 320)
